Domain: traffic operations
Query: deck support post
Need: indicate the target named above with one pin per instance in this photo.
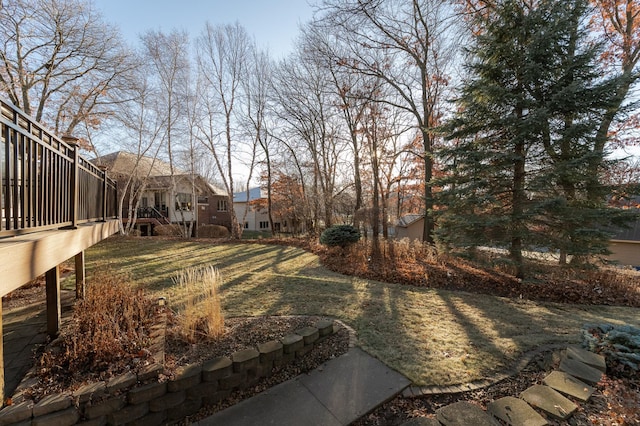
(1, 360)
(54, 310)
(79, 260)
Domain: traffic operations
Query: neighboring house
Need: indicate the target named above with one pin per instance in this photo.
(163, 198)
(256, 218)
(410, 226)
(625, 246)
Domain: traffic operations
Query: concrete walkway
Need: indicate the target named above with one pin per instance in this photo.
(337, 393)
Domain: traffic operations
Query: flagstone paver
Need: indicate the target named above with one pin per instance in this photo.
(580, 370)
(464, 414)
(421, 421)
(569, 385)
(549, 401)
(515, 412)
(587, 357)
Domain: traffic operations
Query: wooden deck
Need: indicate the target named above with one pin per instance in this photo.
(28, 256)
(54, 204)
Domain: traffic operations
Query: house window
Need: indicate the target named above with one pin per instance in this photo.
(203, 200)
(264, 225)
(222, 205)
(246, 225)
(159, 199)
(183, 201)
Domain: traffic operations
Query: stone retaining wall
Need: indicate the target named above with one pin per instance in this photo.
(143, 399)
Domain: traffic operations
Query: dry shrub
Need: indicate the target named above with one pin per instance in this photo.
(109, 330)
(167, 230)
(213, 231)
(202, 316)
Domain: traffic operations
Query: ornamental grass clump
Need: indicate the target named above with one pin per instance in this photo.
(201, 317)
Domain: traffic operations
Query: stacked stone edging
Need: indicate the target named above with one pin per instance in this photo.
(146, 399)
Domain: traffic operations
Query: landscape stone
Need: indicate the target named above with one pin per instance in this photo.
(151, 371)
(147, 393)
(186, 377)
(325, 327)
(291, 343)
(421, 421)
(464, 414)
(90, 391)
(104, 408)
(569, 385)
(122, 381)
(550, 401)
(128, 414)
(167, 402)
(61, 418)
(52, 403)
(245, 359)
(587, 357)
(309, 334)
(515, 412)
(216, 368)
(16, 413)
(270, 350)
(580, 370)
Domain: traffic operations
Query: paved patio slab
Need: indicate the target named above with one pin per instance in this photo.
(287, 404)
(550, 401)
(587, 357)
(355, 385)
(515, 412)
(422, 421)
(569, 385)
(464, 414)
(581, 371)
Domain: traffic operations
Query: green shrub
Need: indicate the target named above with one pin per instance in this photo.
(340, 235)
(618, 342)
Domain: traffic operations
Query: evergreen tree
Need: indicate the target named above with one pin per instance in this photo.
(521, 138)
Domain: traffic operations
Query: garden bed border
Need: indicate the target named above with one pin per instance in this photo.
(145, 398)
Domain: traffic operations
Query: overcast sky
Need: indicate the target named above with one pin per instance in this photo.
(273, 23)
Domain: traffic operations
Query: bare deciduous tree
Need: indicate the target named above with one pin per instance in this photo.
(223, 55)
(60, 62)
(408, 45)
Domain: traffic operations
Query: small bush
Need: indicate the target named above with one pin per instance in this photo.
(109, 328)
(167, 230)
(620, 343)
(213, 231)
(340, 235)
(202, 314)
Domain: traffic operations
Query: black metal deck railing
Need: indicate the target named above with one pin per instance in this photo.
(46, 184)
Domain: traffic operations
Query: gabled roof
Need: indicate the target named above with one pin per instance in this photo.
(241, 197)
(629, 234)
(202, 186)
(157, 171)
(122, 162)
(409, 219)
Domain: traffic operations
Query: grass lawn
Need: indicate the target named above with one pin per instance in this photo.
(431, 336)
